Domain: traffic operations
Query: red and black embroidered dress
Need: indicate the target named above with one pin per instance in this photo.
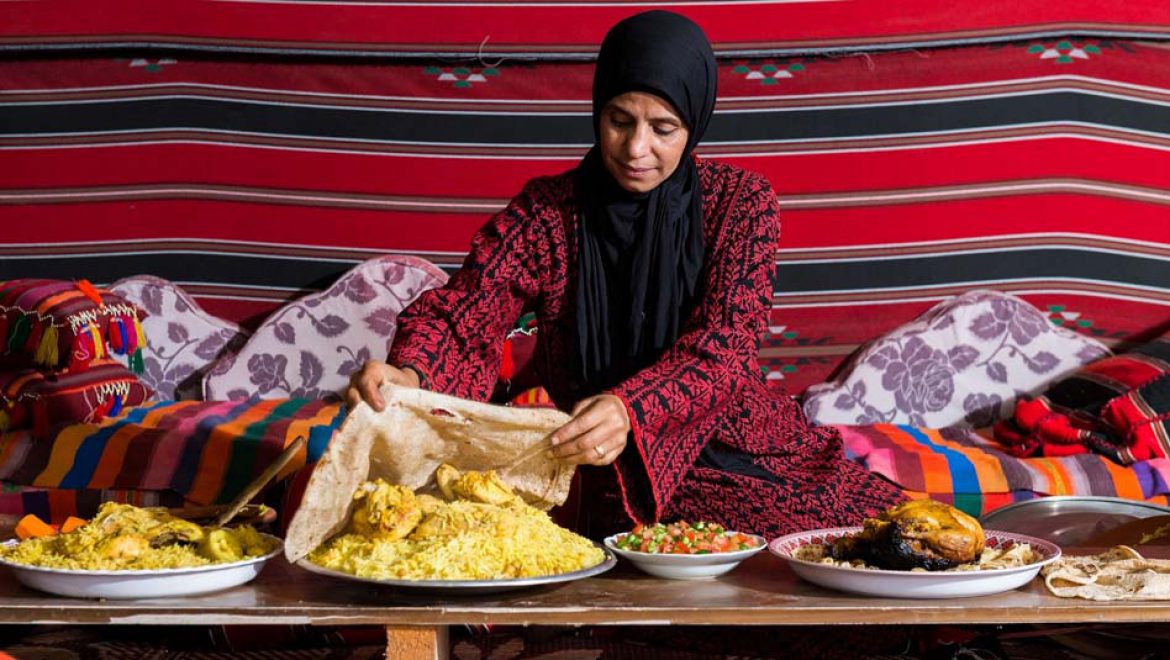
(704, 397)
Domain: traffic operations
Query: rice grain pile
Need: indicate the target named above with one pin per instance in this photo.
(487, 542)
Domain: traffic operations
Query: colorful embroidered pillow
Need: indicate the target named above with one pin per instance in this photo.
(309, 347)
(31, 397)
(962, 363)
(1118, 406)
(185, 341)
(57, 324)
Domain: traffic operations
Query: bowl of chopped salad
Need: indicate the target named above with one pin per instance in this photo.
(685, 551)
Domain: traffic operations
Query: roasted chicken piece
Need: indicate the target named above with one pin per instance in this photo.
(174, 530)
(386, 510)
(462, 517)
(482, 487)
(445, 477)
(916, 534)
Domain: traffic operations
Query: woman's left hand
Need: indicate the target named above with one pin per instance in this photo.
(597, 433)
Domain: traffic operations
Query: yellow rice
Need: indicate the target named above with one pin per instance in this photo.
(515, 542)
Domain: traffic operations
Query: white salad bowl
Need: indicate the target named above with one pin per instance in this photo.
(686, 567)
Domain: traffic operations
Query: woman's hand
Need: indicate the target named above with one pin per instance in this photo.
(597, 433)
(366, 385)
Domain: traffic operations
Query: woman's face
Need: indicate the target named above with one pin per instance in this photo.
(642, 139)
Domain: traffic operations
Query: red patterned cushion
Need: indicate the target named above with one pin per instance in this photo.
(31, 397)
(59, 324)
(1118, 406)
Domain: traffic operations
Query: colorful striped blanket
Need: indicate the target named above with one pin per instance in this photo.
(165, 453)
(970, 471)
(173, 453)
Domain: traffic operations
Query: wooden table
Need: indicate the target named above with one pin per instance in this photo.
(762, 591)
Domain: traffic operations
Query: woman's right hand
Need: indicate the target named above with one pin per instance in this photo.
(366, 384)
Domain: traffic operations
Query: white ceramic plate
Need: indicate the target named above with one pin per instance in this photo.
(466, 587)
(686, 567)
(912, 584)
(161, 583)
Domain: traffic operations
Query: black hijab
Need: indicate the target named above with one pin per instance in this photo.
(640, 255)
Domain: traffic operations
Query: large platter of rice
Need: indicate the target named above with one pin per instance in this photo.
(470, 586)
(493, 544)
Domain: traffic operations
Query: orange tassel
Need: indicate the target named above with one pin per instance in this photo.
(91, 292)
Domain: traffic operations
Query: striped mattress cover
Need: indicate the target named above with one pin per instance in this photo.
(205, 453)
(966, 468)
(165, 453)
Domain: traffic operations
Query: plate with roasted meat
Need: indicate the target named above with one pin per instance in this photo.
(919, 549)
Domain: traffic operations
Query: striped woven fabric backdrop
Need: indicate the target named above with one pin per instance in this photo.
(1034, 167)
(542, 29)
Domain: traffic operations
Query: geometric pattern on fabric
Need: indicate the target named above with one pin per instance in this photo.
(31, 399)
(968, 469)
(702, 392)
(557, 28)
(58, 324)
(903, 177)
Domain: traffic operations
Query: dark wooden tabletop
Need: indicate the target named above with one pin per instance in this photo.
(763, 590)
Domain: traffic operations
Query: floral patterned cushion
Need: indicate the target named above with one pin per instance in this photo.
(309, 347)
(962, 363)
(183, 341)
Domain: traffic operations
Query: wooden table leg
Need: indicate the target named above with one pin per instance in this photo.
(417, 643)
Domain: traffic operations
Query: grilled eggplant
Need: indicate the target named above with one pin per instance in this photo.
(917, 534)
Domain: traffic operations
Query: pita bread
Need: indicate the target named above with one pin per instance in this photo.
(1119, 574)
(404, 444)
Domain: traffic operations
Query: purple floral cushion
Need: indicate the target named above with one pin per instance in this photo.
(962, 363)
(183, 340)
(309, 347)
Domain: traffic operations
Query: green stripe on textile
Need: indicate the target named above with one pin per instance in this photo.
(247, 447)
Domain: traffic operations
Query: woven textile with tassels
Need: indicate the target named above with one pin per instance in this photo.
(58, 324)
(30, 398)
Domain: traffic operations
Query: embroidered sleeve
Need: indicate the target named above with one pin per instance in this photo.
(709, 364)
(453, 336)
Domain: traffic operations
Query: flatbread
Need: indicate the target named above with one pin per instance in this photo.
(1119, 574)
(404, 444)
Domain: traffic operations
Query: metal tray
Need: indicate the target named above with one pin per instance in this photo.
(1068, 520)
(468, 587)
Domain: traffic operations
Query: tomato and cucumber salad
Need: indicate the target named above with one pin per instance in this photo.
(683, 538)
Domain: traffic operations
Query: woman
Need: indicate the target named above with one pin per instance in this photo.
(650, 274)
